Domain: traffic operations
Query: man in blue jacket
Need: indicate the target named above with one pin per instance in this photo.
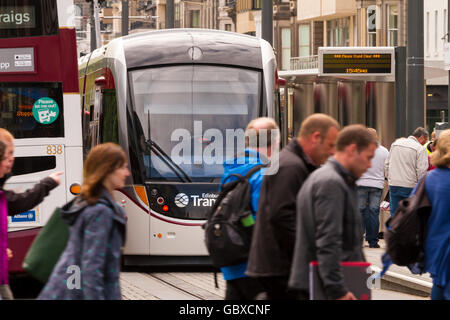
(257, 152)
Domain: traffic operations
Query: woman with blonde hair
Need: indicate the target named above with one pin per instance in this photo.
(89, 267)
(437, 242)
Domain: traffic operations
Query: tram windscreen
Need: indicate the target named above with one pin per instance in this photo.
(193, 118)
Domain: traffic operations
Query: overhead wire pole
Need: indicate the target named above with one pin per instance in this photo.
(267, 21)
(169, 14)
(415, 112)
(98, 36)
(125, 17)
(93, 43)
(400, 92)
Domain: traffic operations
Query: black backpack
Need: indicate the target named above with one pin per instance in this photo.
(226, 238)
(406, 230)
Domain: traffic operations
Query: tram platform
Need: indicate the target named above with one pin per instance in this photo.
(398, 278)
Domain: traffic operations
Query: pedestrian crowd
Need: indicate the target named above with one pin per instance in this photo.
(325, 199)
(320, 205)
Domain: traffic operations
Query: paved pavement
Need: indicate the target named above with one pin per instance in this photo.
(397, 284)
(171, 286)
(200, 286)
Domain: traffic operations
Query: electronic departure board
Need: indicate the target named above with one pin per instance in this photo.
(356, 61)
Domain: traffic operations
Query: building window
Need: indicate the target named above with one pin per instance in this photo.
(393, 25)
(177, 12)
(436, 32)
(304, 40)
(285, 48)
(256, 4)
(445, 24)
(228, 27)
(78, 17)
(338, 32)
(372, 26)
(195, 18)
(428, 33)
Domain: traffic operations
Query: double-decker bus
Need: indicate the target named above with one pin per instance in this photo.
(40, 106)
(168, 98)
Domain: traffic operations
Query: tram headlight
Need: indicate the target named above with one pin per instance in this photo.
(165, 208)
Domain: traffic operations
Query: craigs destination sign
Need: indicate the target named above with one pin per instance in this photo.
(17, 17)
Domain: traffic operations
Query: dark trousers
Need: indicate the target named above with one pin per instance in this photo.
(243, 289)
(369, 206)
(276, 288)
(397, 194)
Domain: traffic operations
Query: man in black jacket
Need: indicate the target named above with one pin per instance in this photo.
(24, 201)
(329, 226)
(274, 232)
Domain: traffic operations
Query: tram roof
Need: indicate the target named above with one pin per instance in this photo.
(175, 46)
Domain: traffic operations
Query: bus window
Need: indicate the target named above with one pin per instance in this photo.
(25, 113)
(25, 165)
(25, 18)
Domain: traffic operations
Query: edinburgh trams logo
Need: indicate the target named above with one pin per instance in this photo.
(181, 200)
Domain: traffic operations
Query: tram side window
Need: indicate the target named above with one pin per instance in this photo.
(93, 138)
(32, 110)
(27, 18)
(108, 120)
(103, 122)
(86, 121)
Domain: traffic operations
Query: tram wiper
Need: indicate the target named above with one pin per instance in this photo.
(168, 160)
(165, 157)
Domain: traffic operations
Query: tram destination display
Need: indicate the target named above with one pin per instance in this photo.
(356, 62)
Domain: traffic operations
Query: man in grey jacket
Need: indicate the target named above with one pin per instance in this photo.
(406, 164)
(329, 226)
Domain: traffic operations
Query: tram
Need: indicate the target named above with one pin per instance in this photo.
(172, 99)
